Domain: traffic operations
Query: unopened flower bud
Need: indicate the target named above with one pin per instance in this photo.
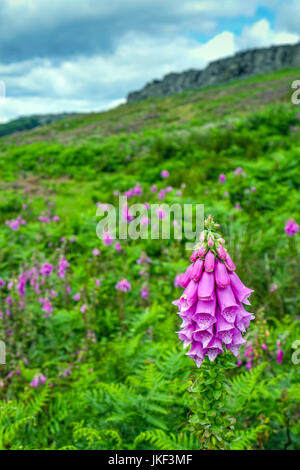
(194, 256)
(210, 242)
(221, 252)
(229, 263)
(202, 250)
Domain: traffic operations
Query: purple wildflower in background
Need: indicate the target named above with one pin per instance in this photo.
(107, 238)
(165, 174)
(96, 252)
(46, 269)
(222, 178)
(76, 297)
(144, 259)
(145, 292)
(38, 379)
(118, 247)
(161, 213)
(211, 305)
(279, 355)
(129, 193)
(126, 214)
(42, 379)
(138, 190)
(47, 307)
(273, 288)
(291, 227)
(35, 382)
(21, 284)
(239, 171)
(63, 265)
(43, 218)
(15, 224)
(123, 285)
(161, 194)
(145, 221)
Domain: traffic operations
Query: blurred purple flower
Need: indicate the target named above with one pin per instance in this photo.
(123, 285)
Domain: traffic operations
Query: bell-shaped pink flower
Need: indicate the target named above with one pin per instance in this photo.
(189, 296)
(209, 263)
(221, 252)
(203, 336)
(186, 314)
(227, 303)
(197, 269)
(201, 251)
(197, 353)
(243, 318)
(206, 286)
(186, 335)
(221, 275)
(186, 276)
(194, 256)
(241, 292)
(214, 349)
(204, 314)
(224, 329)
(229, 263)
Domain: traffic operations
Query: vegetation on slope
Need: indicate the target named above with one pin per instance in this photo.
(116, 375)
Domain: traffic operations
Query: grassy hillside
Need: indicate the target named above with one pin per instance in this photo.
(31, 122)
(116, 374)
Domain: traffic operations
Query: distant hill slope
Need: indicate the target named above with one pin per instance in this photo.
(184, 112)
(241, 65)
(31, 122)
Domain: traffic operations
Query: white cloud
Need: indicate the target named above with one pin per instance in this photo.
(220, 46)
(149, 41)
(288, 16)
(97, 82)
(260, 34)
(12, 108)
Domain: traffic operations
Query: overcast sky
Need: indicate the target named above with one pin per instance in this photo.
(86, 55)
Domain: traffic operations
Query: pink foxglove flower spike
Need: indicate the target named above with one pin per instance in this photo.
(211, 305)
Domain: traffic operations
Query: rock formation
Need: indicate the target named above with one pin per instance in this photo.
(241, 65)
